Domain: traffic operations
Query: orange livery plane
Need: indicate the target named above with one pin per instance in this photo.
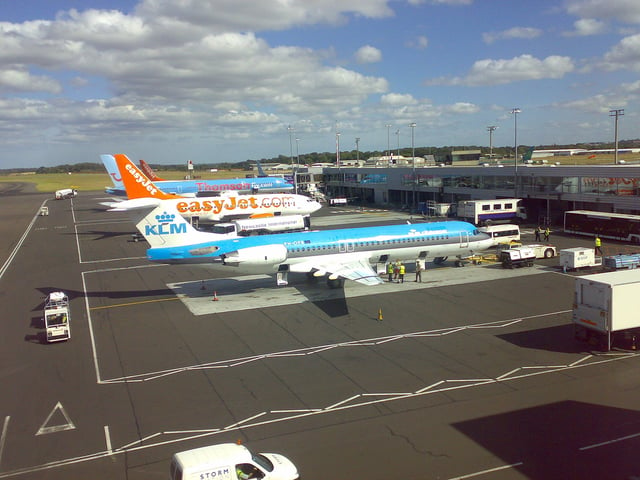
(142, 192)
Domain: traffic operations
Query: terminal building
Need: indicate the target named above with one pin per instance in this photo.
(547, 190)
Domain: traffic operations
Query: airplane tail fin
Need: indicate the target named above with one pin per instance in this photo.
(136, 183)
(528, 154)
(112, 169)
(148, 171)
(260, 170)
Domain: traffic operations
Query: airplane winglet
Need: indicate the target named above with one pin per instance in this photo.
(136, 183)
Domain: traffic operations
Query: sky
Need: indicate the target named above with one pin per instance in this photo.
(232, 80)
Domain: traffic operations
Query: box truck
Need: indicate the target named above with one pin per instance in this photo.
(605, 309)
(486, 212)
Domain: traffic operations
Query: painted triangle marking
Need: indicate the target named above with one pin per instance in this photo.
(45, 428)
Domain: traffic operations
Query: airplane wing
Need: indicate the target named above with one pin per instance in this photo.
(351, 267)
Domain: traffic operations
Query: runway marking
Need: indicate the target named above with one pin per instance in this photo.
(314, 350)
(484, 472)
(134, 303)
(3, 436)
(56, 428)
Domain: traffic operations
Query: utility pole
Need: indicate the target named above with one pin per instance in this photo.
(616, 113)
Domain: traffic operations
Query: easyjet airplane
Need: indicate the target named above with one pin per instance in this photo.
(201, 187)
(143, 192)
(340, 254)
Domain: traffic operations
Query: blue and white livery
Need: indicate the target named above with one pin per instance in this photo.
(340, 254)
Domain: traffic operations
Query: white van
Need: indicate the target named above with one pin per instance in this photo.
(502, 234)
(229, 461)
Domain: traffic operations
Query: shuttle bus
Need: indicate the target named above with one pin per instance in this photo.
(502, 234)
(616, 226)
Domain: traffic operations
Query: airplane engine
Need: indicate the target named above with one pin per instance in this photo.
(266, 255)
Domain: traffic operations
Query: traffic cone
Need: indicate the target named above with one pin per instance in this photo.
(215, 296)
(380, 314)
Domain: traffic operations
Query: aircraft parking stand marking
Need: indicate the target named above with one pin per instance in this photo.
(250, 292)
(354, 401)
(368, 342)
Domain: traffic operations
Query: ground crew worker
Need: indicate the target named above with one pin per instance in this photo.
(401, 271)
(598, 244)
(538, 230)
(390, 271)
(418, 270)
(547, 232)
(396, 269)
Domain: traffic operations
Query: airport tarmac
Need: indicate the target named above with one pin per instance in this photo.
(472, 374)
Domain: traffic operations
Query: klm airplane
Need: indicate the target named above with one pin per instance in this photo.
(339, 254)
(195, 188)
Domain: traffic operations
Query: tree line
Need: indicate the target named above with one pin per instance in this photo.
(325, 157)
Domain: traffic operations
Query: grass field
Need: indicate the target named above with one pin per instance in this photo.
(50, 182)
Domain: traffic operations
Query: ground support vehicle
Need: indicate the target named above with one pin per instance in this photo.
(616, 262)
(486, 212)
(57, 317)
(229, 461)
(605, 309)
(66, 193)
(541, 250)
(261, 226)
(517, 257)
(617, 226)
(578, 257)
(44, 211)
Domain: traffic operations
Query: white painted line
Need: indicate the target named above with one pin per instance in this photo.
(20, 242)
(107, 438)
(44, 429)
(315, 350)
(610, 442)
(484, 472)
(3, 436)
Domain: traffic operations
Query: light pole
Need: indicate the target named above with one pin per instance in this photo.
(388, 125)
(491, 129)
(515, 113)
(358, 150)
(290, 130)
(616, 113)
(413, 162)
(338, 149)
(297, 152)
(398, 135)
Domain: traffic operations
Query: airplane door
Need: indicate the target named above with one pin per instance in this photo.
(464, 239)
(346, 247)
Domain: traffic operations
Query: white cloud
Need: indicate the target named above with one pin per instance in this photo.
(368, 54)
(587, 26)
(626, 11)
(515, 32)
(397, 99)
(420, 42)
(500, 72)
(623, 56)
(19, 80)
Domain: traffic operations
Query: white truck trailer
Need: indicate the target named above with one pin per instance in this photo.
(261, 226)
(486, 212)
(605, 309)
(57, 317)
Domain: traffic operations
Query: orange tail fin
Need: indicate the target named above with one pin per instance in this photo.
(136, 183)
(148, 171)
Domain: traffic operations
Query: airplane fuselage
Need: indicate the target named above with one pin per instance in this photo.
(294, 251)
